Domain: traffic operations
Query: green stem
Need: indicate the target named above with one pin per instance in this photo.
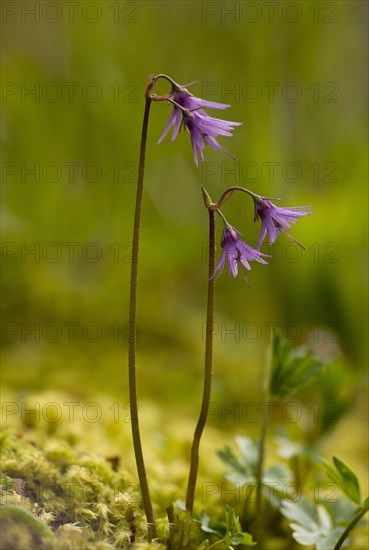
(258, 531)
(171, 521)
(133, 335)
(215, 544)
(190, 497)
(296, 468)
(349, 528)
(258, 522)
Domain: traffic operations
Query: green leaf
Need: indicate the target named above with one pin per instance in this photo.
(233, 534)
(365, 504)
(243, 472)
(290, 448)
(275, 479)
(328, 541)
(302, 512)
(242, 538)
(249, 451)
(204, 520)
(342, 511)
(239, 479)
(231, 518)
(311, 525)
(230, 460)
(277, 473)
(290, 369)
(350, 482)
(237, 539)
(345, 478)
(180, 505)
(228, 531)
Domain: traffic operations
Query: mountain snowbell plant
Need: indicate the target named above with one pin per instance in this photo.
(189, 112)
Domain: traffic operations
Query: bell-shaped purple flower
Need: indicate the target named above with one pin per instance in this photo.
(236, 252)
(275, 219)
(203, 128)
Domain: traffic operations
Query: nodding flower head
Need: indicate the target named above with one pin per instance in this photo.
(236, 252)
(188, 111)
(275, 220)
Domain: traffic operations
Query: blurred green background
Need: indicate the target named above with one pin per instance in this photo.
(296, 77)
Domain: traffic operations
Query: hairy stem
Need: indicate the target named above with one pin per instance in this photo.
(133, 335)
(191, 486)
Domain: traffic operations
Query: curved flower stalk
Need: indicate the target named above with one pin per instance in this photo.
(208, 370)
(188, 111)
(132, 342)
(236, 253)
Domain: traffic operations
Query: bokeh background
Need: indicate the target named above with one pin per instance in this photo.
(72, 97)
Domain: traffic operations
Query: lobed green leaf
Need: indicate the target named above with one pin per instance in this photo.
(290, 369)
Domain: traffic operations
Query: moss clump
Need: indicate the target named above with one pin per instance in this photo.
(62, 499)
(22, 529)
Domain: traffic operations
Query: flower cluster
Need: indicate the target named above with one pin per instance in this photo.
(188, 112)
(274, 220)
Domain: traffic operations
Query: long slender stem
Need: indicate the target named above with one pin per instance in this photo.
(349, 528)
(258, 522)
(133, 334)
(258, 531)
(190, 497)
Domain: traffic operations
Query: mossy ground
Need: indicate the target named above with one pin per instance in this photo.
(69, 483)
(77, 477)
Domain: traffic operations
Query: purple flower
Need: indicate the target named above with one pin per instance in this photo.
(236, 251)
(202, 127)
(275, 220)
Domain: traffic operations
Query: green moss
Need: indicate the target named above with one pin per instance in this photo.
(78, 480)
(77, 499)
